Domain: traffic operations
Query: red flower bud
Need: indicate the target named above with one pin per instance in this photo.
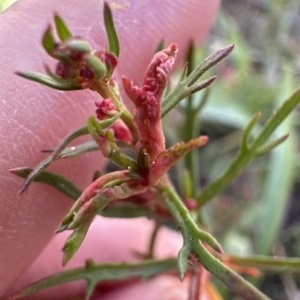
(147, 100)
(106, 109)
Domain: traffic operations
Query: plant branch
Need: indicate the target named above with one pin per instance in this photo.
(195, 246)
(248, 152)
(94, 273)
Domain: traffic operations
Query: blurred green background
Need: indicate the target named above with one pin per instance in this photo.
(260, 212)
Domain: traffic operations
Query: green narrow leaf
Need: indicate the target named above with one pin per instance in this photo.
(112, 35)
(183, 260)
(267, 148)
(248, 129)
(179, 93)
(74, 241)
(48, 41)
(62, 29)
(50, 82)
(74, 151)
(52, 75)
(91, 285)
(54, 156)
(198, 86)
(55, 180)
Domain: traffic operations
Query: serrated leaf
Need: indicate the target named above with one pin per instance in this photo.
(112, 35)
(62, 29)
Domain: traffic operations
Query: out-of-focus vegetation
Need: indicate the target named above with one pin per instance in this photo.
(260, 212)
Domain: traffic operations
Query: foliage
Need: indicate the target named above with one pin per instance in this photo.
(81, 67)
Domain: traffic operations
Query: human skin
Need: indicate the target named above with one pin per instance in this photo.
(35, 117)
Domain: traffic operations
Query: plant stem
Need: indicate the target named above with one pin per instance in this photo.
(190, 233)
(246, 154)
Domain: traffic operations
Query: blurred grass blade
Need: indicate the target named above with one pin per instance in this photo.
(279, 182)
(265, 263)
(113, 39)
(62, 29)
(95, 273)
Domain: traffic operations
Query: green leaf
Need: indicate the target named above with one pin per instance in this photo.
(198, 86)
(269, 147)
(77, 150)
(66, 186)
(95, 273)
(48, 41)
(248, 129)
(63, 31)
(49, 160)
(183, 260)
(55, 180)
(179, 93)
(97, 66)
(50, 82)
(113, 39)
(79, 45)
(74, 241)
